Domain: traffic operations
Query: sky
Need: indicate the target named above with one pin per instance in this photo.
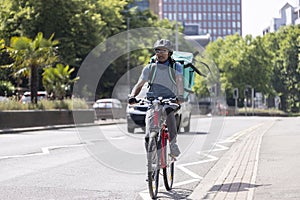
(257, 14)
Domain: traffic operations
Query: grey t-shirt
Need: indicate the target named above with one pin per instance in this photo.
(162, 85)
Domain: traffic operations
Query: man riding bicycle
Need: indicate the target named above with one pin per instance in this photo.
(162, 84)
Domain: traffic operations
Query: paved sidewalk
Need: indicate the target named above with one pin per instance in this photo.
(234, 175)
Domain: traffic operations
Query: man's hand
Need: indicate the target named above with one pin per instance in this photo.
(180, 99)
(132, 100)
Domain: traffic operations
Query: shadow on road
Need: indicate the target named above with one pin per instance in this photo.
(233, 187)
(175, 193)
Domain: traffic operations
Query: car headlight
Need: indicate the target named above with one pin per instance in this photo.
(130, 109)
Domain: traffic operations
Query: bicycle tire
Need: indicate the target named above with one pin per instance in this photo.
(153, 166)
(168, 170)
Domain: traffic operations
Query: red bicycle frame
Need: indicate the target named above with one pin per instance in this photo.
(164, 135)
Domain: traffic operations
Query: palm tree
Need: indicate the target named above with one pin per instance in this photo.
(57, 80)
(30, 55)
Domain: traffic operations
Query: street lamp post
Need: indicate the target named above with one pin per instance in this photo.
(128, 55)
(176, 20)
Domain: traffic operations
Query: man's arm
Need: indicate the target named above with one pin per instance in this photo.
(137, 88)
(179, 83)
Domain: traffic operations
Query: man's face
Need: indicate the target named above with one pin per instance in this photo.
(162, 54)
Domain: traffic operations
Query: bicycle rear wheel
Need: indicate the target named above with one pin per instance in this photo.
(153, 167)
(168, 169)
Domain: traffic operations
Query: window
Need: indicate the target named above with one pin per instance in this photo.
(184, 16)
(234, 24)
(165, 8)
(180, 8)
(199, 16)
(233, 8)
(180, 16)
(214, 16)
(233, 16)
(228, 16)
(224, 16)
(194, 16)
(199, 7)
(219, 16)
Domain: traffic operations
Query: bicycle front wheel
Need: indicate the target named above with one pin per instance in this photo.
(153, 166)
(168, 169)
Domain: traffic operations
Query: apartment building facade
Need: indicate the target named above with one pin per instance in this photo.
(289, 15)
(217, 18)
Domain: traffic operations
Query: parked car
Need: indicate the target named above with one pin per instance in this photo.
(136, 114)
(26, 98)
(3, 99)
(108, 108)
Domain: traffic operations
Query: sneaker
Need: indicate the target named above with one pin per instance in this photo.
(175, 152)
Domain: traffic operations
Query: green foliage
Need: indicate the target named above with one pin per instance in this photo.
(57, 80)
(79, 25)
(67, 104)
(286, 80)
(6, 88)
(30, 55)
(269, 64)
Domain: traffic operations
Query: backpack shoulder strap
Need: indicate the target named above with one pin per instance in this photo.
(172, 72)
(152, 74)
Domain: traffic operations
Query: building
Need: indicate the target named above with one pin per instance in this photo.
(216, 18)
(141, 4)
(289, 15)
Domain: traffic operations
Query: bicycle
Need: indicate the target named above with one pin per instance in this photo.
(158, 151)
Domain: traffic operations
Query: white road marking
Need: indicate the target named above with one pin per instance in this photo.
(44, 151)
(145, 195)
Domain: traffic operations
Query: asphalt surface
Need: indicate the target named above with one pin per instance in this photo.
(263, 163)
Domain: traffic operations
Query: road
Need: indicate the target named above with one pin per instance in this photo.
(105, 162)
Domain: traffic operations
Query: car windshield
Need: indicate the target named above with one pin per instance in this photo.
(105, 105)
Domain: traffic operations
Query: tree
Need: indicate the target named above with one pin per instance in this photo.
(286, 80)
(30, 55)
(242, 62)
(79, 25)
(57, 80)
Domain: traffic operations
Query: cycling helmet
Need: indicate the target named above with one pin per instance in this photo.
(164, 43)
